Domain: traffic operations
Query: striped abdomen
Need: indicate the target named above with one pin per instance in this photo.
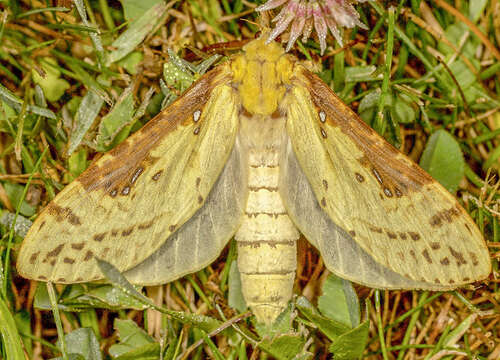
(267, 258)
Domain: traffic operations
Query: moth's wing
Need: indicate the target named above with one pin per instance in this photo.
(131, 200)
(341, 254)
(201, 239)
(400, 216)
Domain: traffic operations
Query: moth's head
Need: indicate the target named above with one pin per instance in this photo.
(260, 50)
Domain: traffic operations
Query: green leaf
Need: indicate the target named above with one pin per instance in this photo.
(134, 9)
(120, 119)
(282, 324)
(83, 341)
(284, 347)
(51, 83)
(15, 192)
(131, 61)
(146, 352)
(114, 276)
(132, 337)
(235, 296)
(443, 160)
(339, 301)
(331, 328)
(77, 163)
(86, 114)
(11, 341)
(402, 111)
(350, 346)
(137, 31)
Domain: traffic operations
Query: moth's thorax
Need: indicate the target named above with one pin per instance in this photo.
(261, 75)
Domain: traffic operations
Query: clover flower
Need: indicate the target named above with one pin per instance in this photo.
(303, 15)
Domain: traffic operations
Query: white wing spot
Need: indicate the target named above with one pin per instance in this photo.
(322, 116)
(196, 115)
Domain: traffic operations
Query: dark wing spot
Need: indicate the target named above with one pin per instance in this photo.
(391, 235)
(466, 279)
(402, 236)
(146, 225)
(459, 257)
(323, 202)
(427, 257)
(445, 216)
(359, 177)
(104, 252)
(200, 199)
(61, 280)
(68, 260)
(196, 130)
(114, 232)
(435, 245)
(78, 246)
(128, 231)
(56, 251)
(323, 133)
(42, 224)
(42, 277)
(375, 229)
(451, 281)
(157, 175)
(88, 255)
(33, 257)
(352, 233)
(172, 228)
(413, 255)
(52, 262)
(99, 237)
(415, 236)
(62, 214)
(445, 261)
(435, 221)
(325, 184)
(198, 181)
(474, 259)
(436, 280)
(468, 228)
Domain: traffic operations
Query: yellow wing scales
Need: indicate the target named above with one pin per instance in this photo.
(125, 205)
(394, 210)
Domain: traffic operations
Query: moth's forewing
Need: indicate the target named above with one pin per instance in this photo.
(126, 204)
(405, 220)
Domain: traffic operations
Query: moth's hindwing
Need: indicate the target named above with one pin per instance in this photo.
(393, 210)
(131, 200)
(201, 239)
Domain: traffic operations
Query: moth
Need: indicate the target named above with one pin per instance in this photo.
(259, 149)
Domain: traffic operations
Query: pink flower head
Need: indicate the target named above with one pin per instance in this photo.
(304, 14)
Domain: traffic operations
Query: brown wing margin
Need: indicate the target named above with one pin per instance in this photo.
(402, 176)
(135, 149)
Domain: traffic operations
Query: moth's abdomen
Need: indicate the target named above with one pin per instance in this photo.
(267, 252)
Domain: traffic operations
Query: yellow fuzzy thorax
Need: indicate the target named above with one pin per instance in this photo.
(261, 74)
